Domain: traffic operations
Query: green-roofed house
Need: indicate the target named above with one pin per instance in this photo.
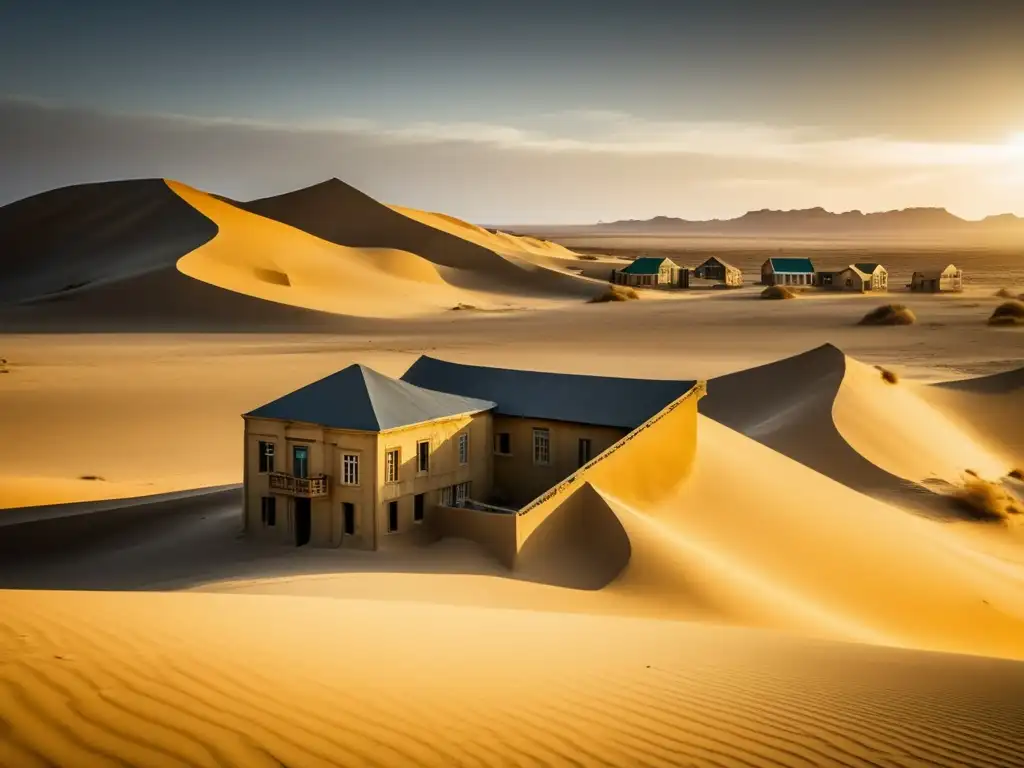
(652, 272)
(787, 271)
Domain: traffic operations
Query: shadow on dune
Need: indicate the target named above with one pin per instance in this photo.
(787, 406)
(341, 214)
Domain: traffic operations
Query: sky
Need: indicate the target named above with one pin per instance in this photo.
(526, 112)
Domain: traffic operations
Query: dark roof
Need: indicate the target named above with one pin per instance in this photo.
(645, 265)
(867, 266)
(791, 265)
(717, 260)
(596, 400)
(359, 398)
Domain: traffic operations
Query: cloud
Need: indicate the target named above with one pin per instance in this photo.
(561, 167)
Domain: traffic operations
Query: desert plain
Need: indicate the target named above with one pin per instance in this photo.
(812, 590)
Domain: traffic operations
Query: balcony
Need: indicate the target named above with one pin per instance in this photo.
(305, 487)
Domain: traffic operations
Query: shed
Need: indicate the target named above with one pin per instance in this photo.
(719, 271)
(935, 281)
(650, 272)
(787, 271)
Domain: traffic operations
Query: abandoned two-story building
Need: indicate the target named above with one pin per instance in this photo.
(359, 459)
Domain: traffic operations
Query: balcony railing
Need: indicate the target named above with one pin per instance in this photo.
(298, 486)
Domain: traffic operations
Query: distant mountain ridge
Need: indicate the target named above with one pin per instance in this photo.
(819, 221)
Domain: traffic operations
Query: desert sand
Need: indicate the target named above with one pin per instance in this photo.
(804, 592)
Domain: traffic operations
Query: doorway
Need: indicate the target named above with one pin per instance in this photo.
(303, 521)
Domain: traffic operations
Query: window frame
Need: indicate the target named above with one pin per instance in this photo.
(296, 449)
(392, 477)
(463, 449)
(265, 459)
(422, 459)
(344, 469)
(580, 459)
(546, 434)
(497, 443)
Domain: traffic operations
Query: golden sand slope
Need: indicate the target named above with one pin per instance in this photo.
(531, 248)
(264, 258)
(178, 679)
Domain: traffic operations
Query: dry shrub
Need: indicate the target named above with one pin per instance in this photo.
(463, 307)
(888, 376)
(1006, 293)
(778, 292)
(1008, 313)
(889, 314)
(1016, 473)
(92, 477)
(986, 500)
(615, 293)
(586, 256)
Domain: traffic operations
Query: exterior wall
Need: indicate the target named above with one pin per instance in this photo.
(880, 280)
(495, 532)
(517, 480)
(326, 447)
(771, 277)
(444, 470)
(640, 470)
(950, 279)
(713, 269)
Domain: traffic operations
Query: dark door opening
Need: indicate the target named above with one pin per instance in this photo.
(350, 518)
(303, 521)
(417, 508)
(392, 516)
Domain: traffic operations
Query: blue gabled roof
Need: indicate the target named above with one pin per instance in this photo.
(359, 398)
(595, 400)
(791, 265)
(645, 265)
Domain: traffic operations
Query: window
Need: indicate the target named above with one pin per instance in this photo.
(541, 446)
(417, 508)
(503, 443)
(447, 495)
(266, 456)
(423, 456)
(464, 448)
(392, 517)
(391, 466)
(461, 493)
(350, 469)
(268, 511)
(584, 451)
(300, 461)
(348, 512)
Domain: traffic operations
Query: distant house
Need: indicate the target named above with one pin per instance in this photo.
(862, 278)
(879, 274)
(935, 281)
(719, 271)
(652, 272)
(787, 271)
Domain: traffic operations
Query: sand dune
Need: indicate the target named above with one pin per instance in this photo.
(157, 679)
(839, 417)
(69, 240)
(115, 252)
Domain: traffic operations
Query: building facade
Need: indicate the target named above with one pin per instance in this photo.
(714, 269)
(949, 279)
(651, 272)
(787, 271)
(362, 460)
